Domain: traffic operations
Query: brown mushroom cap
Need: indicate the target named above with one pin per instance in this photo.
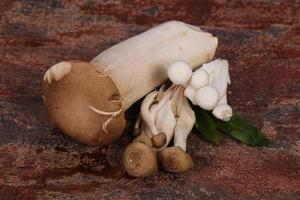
(68, 100)
(159, 140)
(140, 160)
(174, 159)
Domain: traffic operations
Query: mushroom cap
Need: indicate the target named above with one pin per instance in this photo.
(174, 159)
(140, 160)
(223, 112)
(180, 72)
(200, 78)
(69, 98)
(159, 140)
(207, 97)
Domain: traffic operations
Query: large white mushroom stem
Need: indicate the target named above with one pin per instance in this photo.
(138, 65)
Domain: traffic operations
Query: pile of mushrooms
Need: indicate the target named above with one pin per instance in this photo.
(87, 100)
(167, 114)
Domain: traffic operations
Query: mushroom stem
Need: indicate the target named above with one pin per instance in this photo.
(184, 124)
(138, 64)
(165, 119)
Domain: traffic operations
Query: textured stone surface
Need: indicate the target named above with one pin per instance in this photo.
(261, 39)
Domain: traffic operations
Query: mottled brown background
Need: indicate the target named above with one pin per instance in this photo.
(261, 39)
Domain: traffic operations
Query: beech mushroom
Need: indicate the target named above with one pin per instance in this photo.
(87, 100)
(218, 75)
(166, 113)
(223, 112)
(200, 78)
(179, 72)
(140, 160)
(219, 78)
(184, 124)
(175, 159)
(159, 140)
(207, 97)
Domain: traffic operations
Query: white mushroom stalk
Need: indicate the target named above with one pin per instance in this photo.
(138, 65)
(184, 124)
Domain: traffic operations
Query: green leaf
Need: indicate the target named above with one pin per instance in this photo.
(238, 127)
(243, 130)
(206, 125)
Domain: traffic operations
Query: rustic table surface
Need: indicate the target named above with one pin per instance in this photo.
(261, 40)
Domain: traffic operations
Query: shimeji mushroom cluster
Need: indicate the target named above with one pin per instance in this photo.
(167, 114)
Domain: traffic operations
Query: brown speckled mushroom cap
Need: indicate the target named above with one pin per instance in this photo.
(174, 159)
(140, 160)
(81, 101)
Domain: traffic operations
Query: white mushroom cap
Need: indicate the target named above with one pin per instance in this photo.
(200, 78)
(190, 93)
(180, 72)
(223, 112)
(207, 97)
(218, 74)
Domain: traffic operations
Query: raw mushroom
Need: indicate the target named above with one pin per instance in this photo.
(200, 78)
(223, 111)
(184, 124)
(218, 75)
(140, 160)
(168, 114)
(151, 135)
(219, 78)
(180, 72)
(165, 120)
(87, 100)
(77, 107)
(175, 159)
(207, 97)
(159, 140)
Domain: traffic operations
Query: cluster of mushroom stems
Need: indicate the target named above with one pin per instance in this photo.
(166, 114)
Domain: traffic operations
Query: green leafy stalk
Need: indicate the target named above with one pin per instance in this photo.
(237, 127)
